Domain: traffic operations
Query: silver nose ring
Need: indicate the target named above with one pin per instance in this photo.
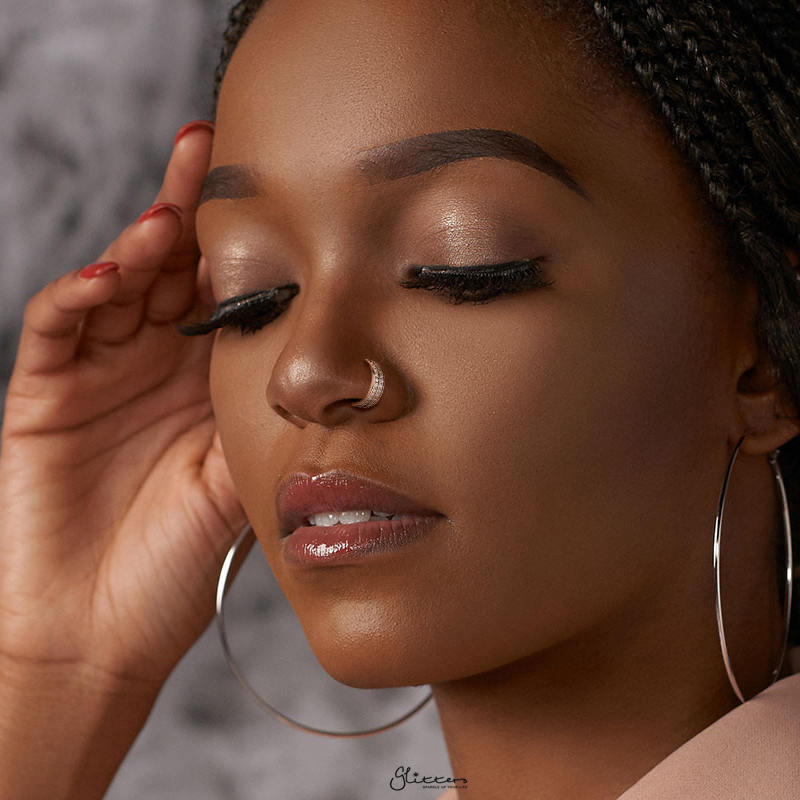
(376, 387)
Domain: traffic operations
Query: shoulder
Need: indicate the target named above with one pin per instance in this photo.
(749, 752)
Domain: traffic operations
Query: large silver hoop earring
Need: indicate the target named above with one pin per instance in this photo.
(222, 587)
(787, 604)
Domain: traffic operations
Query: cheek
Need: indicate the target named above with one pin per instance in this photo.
(238, 376)
(562, 431)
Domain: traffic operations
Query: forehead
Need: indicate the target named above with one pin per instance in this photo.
(315, 83)
(374, 72)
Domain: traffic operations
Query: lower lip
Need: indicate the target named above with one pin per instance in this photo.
(319, 545)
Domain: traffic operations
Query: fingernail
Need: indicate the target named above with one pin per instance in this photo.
(158, 208)
(93, 270)
(193, 126)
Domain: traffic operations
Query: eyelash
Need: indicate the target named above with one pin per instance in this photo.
(476, 285)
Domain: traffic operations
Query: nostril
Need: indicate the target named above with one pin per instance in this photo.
(287, 415)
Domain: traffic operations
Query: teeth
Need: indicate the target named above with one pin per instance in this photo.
(348, 517)
(324, 519)
(327, 518)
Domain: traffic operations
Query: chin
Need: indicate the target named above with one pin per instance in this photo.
(367, 651)
(363, 665)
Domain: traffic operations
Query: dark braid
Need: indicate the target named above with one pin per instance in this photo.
(721, 110)
(723, 77)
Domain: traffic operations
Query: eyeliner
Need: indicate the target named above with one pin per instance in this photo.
(279, 296)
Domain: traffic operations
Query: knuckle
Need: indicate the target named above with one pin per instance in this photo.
(35, 304)
(52, 296)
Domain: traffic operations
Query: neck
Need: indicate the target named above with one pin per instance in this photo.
(586, 718)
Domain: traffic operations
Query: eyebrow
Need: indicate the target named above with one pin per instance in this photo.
(230, 182)
(430, 150)
(400, 159)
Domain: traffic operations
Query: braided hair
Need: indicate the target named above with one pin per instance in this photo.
(723, 78)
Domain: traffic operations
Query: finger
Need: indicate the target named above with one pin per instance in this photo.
(173, 293)
(183, 180)
(54, 315)
(141, 251)
(221, 491)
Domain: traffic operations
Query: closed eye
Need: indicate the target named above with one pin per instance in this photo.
(478, 284)
(471, 284)
(250, 312)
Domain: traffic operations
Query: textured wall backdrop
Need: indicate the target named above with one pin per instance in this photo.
(92, 92)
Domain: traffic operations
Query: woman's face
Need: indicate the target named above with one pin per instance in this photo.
(572, 436)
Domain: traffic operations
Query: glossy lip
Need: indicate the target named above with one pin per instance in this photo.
(334, 545)
(301, 495)
(308, 546)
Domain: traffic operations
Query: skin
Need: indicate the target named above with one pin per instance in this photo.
(116, 504)
(575, 438)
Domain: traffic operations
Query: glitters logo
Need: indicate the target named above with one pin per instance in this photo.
(403, 776)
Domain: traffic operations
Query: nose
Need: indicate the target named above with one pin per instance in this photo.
(322, 369)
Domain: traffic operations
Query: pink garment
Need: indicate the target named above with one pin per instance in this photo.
(750, 753)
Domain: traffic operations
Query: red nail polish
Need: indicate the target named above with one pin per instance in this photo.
(93, 270)
(193, 126)
(158, 208)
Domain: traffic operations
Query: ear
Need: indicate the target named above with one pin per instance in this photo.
(766, 405)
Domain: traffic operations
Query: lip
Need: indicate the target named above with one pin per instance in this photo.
(334, 545)
(307, 546)
(301, 495)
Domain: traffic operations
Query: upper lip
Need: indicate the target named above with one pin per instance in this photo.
(300, 495)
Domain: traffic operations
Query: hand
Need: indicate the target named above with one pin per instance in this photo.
(116, 504)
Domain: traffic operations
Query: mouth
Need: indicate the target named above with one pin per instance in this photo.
(341, 500)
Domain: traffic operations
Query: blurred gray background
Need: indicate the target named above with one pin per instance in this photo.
(92, 93)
